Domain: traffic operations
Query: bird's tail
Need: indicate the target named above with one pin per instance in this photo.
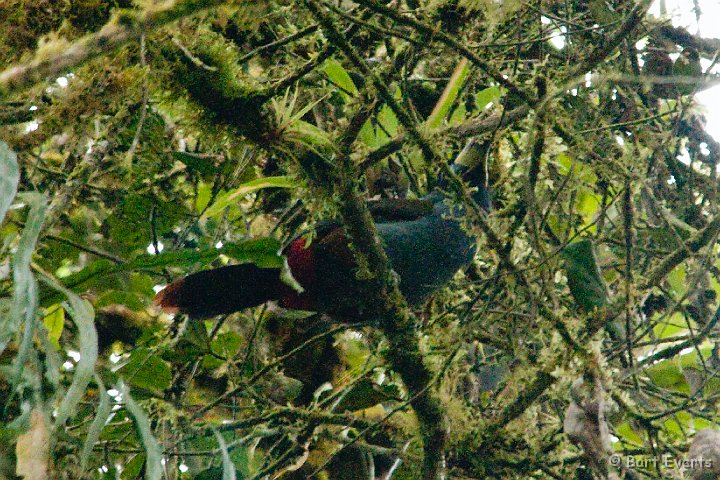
(221, 290)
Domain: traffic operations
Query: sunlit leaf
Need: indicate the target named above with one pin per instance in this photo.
(204, 193)
(388, 123)
(367, 135)
(676, 279)
(588, 205)
(54, 323)
(141, 283)
(224, 200)
(670, 326)
(626, 432)
(671, 374)
(487, 95)
(339, 76)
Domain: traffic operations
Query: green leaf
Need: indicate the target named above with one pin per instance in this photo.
(676, 279)
(92, 270)
(309, 134)
(367, 135)
(142, 283)
(9, 177)
(287, 278)
(145, 369)
(484, 97)
(96, 273)
(449, 95)
(687, 67)
(192, 344)
(54, 323)
(588, 204)
(204, 194)
(212, 473)
(120, 297)
(668, 373)
(153, 452)
(131, 225)
(263, 252)
(339, 76)
(183, 258)
(133, 468)
(586, 284)
(389, 121)
(582, 170)
(600, 12)
(669, 326)
(224, 200)
(626, 432)
(227, 344)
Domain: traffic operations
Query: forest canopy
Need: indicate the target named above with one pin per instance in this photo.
(142, 141)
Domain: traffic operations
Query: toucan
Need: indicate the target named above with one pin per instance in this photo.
(424, 239)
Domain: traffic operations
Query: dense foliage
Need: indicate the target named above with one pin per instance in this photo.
(142, 141)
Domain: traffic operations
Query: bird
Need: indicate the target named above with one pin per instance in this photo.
(424, 239)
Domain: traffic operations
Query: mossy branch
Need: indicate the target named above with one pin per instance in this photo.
(397, 322)
(124, 27)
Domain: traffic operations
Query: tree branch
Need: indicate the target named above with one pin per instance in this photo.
(124, 27)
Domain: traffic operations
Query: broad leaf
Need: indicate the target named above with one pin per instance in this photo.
(145, 369)
(339, 76)
(54, 323)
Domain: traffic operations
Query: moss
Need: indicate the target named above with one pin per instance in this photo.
(125, 18)
(24, 23)
(89, 15)
(214, 80)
